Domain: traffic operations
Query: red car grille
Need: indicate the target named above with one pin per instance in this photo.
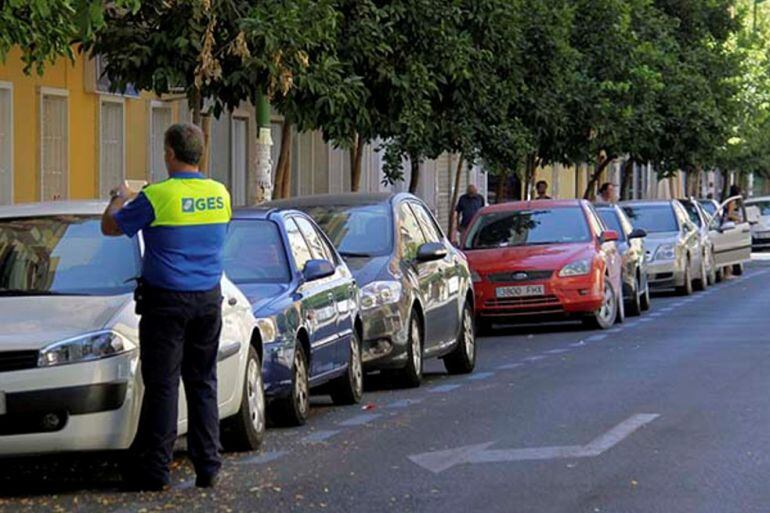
(17, 360)
(537, 302)
(519, 276)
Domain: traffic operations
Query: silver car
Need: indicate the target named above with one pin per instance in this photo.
(759, 209)
(674, 247)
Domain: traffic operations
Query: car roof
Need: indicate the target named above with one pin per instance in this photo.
(344, 199)
(54, 208)
(645, 203)
(757, 199)
(528, 205)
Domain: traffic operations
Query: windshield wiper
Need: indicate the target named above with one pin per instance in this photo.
(355, 254)
(22, 292)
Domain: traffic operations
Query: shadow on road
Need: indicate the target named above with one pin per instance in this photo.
(60, 474)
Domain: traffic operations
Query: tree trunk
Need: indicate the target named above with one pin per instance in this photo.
(590, 191)
(455, 195)
(529, 176)
(203, 166)
(725, 185)
(626, 179)
(283, 158)
(197, 106)
(500, 190)
(414, 179)
(356, 156)
(286, 185)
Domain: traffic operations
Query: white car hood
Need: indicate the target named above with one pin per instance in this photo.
(653, 240)
(32, 322)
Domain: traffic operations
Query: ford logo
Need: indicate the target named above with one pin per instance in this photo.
(520, 276)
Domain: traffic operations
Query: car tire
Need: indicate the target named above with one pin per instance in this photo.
(634, 307)
(738, 269)
(411, 375)
(605, 316)
(701, 283)
(720, 275)
(483, 327)
(686, 288)
(463, 359)
(349, 388)
(646, 301)
(245, 430)
(293, 409)
(712, 274)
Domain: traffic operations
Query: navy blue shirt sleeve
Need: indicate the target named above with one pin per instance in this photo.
(135, 216)
(460, 204)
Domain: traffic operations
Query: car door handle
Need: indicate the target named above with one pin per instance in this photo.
(232, 301)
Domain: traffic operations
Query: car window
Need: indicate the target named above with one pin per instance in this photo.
(528, 227)
(653, 218)
(428, 225)
(612, 221)
(66, 254)
(409, 232)
(624, 221)
(351, 228)
(254, 253)
(709, 206)
(317, 247)
(692, 212)
(763, 206)
(297, 244)
(595, 221)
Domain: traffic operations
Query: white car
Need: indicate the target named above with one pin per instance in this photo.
(730, 234)
(760, 231)
(69, 359)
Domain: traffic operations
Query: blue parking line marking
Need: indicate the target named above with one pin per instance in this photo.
(509, 366)
(443, 388)
(319, 436)
(360, 420)
(403, 403)
(480, 375)
(265, 457)
(534, 358)
(596, 338)
(557, 351)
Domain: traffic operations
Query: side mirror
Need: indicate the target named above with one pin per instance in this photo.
(431, 251)
(317, 269)
(637, 233)
(753, 215)
(609, 236)
(727, 225)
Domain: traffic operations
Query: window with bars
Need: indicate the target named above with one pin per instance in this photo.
(54, 146)
(6, 145)
(111, 152)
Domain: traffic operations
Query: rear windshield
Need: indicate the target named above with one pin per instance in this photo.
(254, 253)
(612, 220)
(528, 228)
(361, 230)
(653, 218)
(709, 207)
(763, 206)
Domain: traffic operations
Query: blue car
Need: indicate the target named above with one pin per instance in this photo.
(306, 302)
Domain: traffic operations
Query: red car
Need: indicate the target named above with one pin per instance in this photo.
(551, 260)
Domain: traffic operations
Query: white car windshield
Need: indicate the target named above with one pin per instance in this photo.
(65, 255)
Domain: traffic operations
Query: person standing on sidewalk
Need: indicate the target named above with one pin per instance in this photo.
(183, 221)
(467, 206)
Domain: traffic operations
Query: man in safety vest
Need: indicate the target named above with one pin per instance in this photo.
(183, 221)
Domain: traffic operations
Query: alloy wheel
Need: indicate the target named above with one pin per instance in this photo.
(256, 398)
(608, 305)
(469, 336)
(416, 346)
(301, 395)
(355, 363)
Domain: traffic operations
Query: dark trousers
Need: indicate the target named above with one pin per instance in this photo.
(178, 335)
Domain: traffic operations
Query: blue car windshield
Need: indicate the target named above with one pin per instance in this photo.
(360, 230)
(528, 228)
(65, 255)
(254, 253)
(653, 218)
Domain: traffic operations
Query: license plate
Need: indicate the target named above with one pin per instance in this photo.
(520, 291)
(3, 407)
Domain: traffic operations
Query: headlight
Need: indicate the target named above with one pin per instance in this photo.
(475, 278)
(665, 252)
(267, 329)
(380, 293)
(84, 349)
(576, 268)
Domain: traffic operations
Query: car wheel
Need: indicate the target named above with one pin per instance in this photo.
(712, 271)
(645, 300)
(483, 327)
(349, 388)
(702, 282)
(605, 316)
(411, 375)
(738, 269)
(293, 410)
(245, 430)
(634, 307)
(720, 275)
(463, 359)
(686, 288)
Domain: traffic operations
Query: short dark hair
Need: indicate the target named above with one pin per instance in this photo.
(604, 187)
(541, 182)
(186, 140)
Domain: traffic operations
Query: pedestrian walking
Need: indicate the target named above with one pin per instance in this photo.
(541, 188)
(467, 206)
(183, 221)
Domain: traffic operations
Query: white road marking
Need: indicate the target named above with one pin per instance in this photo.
(439, 461)
(443, 388)
(596, 338)
(320, 436)
(534, 358)
(264, 457)
(579, 343)
(480, 375)
(558, 351)
(403, 403)
(360, 420)
(509, 366)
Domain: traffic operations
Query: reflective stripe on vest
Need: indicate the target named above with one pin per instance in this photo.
(189, 202)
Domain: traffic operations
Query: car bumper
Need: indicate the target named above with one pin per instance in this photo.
(664, 275)
(760, 242)
(385, 337)
(563, 298)
(90, 406)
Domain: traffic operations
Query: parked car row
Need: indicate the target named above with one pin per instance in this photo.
(317, 292)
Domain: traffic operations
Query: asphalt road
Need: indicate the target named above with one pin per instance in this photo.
(665, 413)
